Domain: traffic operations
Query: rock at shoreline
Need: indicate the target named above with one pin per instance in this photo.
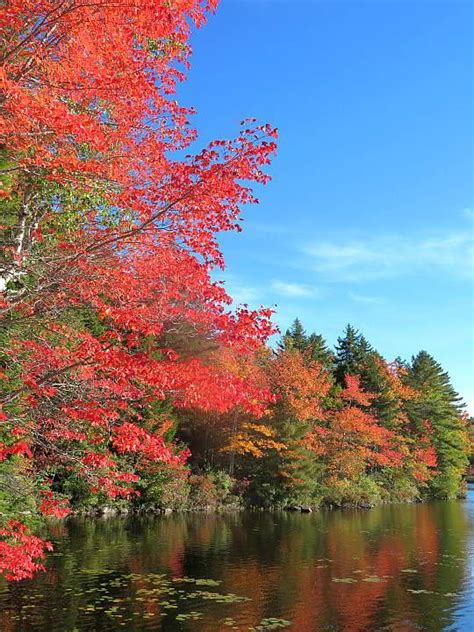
(300, 508)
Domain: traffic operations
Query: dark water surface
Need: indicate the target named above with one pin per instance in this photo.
(399, 568)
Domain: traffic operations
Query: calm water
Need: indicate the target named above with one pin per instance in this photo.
(394, 568)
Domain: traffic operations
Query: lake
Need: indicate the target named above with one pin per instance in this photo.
(397, 568)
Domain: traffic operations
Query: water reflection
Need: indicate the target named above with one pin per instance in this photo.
(394, 568)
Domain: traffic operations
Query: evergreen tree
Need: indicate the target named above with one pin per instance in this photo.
(320, 351)
(295, 337)
(440, 406)
(288, 477)
(356, 356)
(400, 363)
(386, 404)
(314, 345)
(352, 351)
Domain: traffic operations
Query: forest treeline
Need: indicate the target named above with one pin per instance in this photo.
(127, 378)
(342, 427)
(336, 428)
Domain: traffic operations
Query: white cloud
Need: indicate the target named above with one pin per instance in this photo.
(392, 256)
(294, 290)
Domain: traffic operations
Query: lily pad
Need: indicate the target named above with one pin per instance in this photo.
(374, 579)
(344, 580)
(270, 623)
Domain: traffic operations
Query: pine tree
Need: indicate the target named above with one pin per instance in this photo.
(314, 345)
(440, 406)
(356, 356)
(352, 351)
(374, 373)
(295, 337)
(320, 351)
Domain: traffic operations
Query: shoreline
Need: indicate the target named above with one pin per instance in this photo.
(116, 512)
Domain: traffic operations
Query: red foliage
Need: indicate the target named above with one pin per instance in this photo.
(51, 506)
(130, 438)
(89, 110)
(356, 442)
(353, 392)
(20, 552)
(21, 447)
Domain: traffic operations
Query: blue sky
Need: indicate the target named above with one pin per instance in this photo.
(369, 217)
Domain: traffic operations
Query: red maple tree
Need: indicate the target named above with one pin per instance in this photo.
(110, 244)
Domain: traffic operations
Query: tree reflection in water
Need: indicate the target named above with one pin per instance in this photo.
(399, 567)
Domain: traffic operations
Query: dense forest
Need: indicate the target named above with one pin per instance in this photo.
(342, 427)
(127, 379)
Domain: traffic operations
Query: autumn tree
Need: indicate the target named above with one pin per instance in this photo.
(109, 243)
(356, 356)
(292, 473)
